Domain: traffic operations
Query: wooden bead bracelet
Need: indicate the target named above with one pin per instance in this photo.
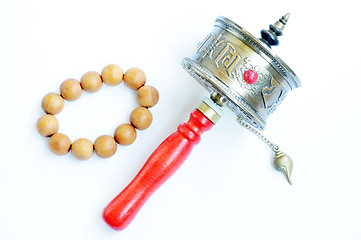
(105, 146)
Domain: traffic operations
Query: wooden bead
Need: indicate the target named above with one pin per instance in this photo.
(147, 96)
(47, 125)
(134, 78)
(59, 144)
(105, 146)
(52, 103)
(112, 75)
(91, 82)
(70, 89)
(82, 149)
(141, 118)
(125, 134)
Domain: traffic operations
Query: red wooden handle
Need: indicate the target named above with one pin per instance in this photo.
(164, 161)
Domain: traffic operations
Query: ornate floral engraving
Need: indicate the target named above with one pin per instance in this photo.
(255, 88)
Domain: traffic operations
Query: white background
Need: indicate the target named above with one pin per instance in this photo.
(227, 188)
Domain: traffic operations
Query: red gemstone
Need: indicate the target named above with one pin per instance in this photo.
(250, 76)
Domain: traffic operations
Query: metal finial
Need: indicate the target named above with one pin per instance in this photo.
(270, 37)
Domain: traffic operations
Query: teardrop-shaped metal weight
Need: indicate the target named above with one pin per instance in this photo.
(283, 163)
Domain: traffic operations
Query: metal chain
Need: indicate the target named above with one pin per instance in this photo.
(273, 146)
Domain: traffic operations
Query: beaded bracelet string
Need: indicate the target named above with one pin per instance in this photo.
(105, 146)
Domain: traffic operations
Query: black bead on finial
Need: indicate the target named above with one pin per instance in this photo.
(270, 37)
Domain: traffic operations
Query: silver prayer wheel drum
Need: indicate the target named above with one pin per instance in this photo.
(241, 69)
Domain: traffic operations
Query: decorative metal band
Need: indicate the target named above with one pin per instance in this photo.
(257, 46)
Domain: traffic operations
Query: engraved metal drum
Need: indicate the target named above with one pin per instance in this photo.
(221, 61)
